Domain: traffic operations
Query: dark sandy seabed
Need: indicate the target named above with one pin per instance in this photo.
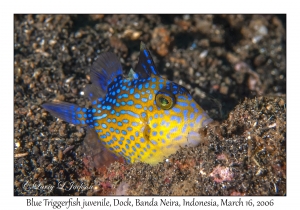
(233, 65)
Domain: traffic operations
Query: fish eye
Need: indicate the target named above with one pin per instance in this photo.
(165, 99)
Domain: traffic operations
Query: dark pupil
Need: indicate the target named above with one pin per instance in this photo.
(163, 101)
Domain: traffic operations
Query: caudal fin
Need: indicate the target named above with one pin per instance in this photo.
(68, 112)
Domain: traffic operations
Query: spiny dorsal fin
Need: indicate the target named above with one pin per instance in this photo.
(145, 66)
(132, 75)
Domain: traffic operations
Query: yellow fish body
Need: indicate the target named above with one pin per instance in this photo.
(143, 117)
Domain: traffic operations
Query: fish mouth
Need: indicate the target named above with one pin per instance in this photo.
(206, 121)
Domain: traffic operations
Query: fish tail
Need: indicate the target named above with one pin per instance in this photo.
(68, 112)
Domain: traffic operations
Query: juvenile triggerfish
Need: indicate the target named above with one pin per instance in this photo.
(142, 117)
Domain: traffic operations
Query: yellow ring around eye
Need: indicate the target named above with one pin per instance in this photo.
(164, 101)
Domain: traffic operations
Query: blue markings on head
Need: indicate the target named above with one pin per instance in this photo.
(140, 86)
(181, 97)
(177, 110)
(195, 108)
(173, 130)
(176, 118)
(153, 86)
(144, 99)
(120, 124)
(177, 138)
(184, 128)
(192, 115)
(199, 118)
(150, 108)
(167, 124)
(125, 121)
(182, 104)
(104, 125)
(142, 140)
(185, 115)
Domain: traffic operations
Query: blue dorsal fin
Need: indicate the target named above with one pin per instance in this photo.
(103, 71)
(145, 66)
